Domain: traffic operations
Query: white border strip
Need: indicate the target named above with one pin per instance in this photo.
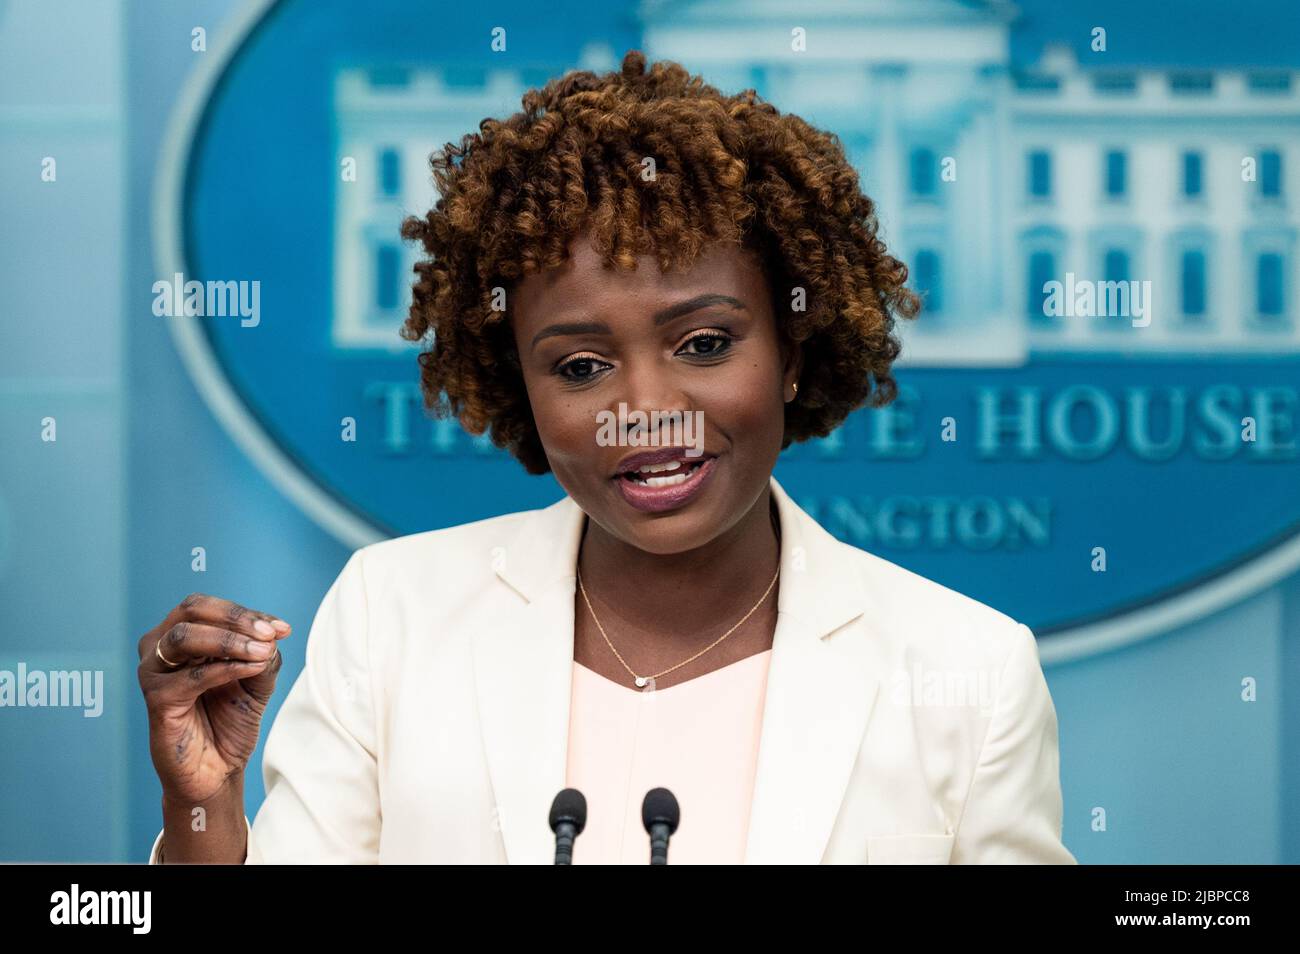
(208, 376)
(204, 369)
(1169, 614)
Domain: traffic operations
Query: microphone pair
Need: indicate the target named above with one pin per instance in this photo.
(659, 813)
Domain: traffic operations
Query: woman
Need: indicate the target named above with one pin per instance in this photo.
(634, 241)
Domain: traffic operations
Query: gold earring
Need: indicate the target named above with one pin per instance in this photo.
(796, 389)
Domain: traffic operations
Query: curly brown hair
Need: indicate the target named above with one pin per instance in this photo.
(728, 169)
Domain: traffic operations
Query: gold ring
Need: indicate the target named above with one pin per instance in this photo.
(157, 647)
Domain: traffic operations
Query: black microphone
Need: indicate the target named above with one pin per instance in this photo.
(568, 818)
(660, 815)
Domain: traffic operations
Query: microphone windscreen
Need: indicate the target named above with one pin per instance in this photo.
(571, 806)
(660, 806)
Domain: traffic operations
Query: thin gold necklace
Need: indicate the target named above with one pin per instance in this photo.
(641, 681)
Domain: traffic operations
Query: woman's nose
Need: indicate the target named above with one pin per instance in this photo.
(653, 389)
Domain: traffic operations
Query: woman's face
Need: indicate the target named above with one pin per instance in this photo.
(703, 340)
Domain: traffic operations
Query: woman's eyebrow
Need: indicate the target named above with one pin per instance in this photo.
(570, 328)
(665, 315)
(661, 317)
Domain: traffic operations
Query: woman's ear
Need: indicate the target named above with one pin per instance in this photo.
(792, 367)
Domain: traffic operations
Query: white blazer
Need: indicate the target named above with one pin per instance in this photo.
(903, 721)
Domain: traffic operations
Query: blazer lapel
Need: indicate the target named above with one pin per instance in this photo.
(523, 671)
(821, 693)
(819, 699)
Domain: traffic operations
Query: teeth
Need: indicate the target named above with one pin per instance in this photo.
(659, 468)
(666, 481)
(677, 478)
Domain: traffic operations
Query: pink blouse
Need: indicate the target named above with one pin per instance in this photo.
(698, 739)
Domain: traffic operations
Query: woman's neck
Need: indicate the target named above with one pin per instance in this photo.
(710, 588)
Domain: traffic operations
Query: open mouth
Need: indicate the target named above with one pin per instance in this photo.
(663, 475)
(658, 488)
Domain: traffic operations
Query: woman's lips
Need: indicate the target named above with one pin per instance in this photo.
(650, 499)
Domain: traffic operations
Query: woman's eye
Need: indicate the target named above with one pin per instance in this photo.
(578, 369)
(716, 344)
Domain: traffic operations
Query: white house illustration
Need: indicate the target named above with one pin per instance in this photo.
(990, 183)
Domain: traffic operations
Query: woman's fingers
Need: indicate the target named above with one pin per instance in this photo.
(181, 687)
(188, 642)
(202, 608)
(203, 643)
(212, 611)
(261, 684)
(215, 649)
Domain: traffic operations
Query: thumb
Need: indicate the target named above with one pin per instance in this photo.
(262, 685)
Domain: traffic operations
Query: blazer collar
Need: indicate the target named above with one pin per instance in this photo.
(544, 552)
(820, 691)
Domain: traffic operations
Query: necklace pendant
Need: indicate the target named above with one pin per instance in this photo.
(641, 681)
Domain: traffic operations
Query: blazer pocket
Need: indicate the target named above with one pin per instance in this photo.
(909, 849)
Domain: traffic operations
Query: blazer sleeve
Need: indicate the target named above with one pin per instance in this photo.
(320, 762)
(1012, 813)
